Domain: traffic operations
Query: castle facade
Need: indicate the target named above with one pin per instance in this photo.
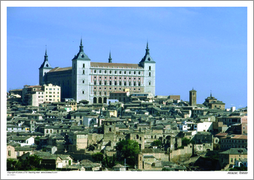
(93, 81)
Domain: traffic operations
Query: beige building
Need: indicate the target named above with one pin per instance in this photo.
(36, 95)
(11, 154)
(230, 156)
(52, 93)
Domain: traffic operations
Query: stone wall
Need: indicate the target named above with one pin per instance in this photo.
(181, 154)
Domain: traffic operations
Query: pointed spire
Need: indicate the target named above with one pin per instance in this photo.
(46, 55)
(81, 46)
(147, 49)
(110, 59)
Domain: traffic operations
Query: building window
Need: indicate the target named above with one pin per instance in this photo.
(129, 83)
(110, 83)
(150, 68)
(120, 72)
(139, 72)
(139, 83)
(83, 92)
(83, 65)
(94, 92)
(120, 83)
(105, 83)
(125, 83)
(149, 74)
(100, 83)
(109, 72)
(83, 81)
(124, 72)
(129, 72)
(149, 83)
(94, 71)
(115, 72)
(134, 84)
(94, 82)
(9, 153)
(134, 72)
(115, 82)
(100, 71)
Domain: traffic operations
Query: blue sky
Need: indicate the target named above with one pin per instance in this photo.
(204, 48)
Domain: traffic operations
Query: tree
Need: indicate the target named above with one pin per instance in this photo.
(98, 157)
(186, 141)
(156, 143)
(128, 149)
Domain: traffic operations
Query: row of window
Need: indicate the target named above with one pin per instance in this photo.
(232, 141)
(120, 88)
(51, 92)
(117, 83)
(116, 72)
(120, 78)
(52, 89)
(233, 146)
(51, 96)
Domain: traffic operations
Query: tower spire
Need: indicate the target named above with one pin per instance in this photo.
(81, 46)
(46, 55)
(147, 49)
(110, 59)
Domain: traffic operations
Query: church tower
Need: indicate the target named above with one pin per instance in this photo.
(80, 75)
(193, 97)
(149, 72)
(45, 67)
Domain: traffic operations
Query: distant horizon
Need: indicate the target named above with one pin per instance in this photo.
(204, 48)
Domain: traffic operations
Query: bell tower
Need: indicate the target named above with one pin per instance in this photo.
(44, 68)
(148, 64)
(81, 75)
(193, 97)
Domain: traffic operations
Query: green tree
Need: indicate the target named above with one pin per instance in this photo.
(128, 149)
(186, 141)
(98, 157)
(156, 143)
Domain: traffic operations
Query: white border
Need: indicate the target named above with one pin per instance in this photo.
(124, 175)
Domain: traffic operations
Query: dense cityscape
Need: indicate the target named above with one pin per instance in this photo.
(106, 117)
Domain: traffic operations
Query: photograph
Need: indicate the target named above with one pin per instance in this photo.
(156, 90)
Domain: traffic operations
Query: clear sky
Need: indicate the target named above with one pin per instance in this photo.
(204, 48)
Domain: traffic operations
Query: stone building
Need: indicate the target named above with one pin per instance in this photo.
(93, 81)
(212, 103)
(36, 95)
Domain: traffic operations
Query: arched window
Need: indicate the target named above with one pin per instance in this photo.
(94, 100)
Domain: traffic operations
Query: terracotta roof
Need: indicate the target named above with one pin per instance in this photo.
(115, 65)
(220, 134)
(236, 137)
(60, 69)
